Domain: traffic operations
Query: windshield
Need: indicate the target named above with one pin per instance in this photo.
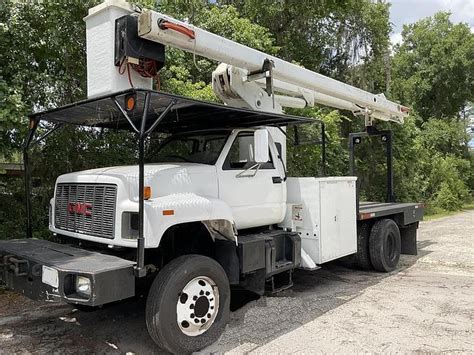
(203, 148)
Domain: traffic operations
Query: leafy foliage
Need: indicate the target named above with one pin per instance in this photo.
(42, 50)
(190, 76)
(305, 159)
(43, 61)
(433, 69)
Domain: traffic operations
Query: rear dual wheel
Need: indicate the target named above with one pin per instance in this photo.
(188, 304)
(384, 245)
(378, 245)
(362, 257)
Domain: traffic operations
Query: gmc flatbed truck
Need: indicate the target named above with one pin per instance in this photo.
(210, 209)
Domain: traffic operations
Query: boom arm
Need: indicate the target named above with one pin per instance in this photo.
(253, 69)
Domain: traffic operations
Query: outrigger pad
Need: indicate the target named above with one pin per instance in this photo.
(42, 270)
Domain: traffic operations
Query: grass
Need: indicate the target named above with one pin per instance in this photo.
(442, 213)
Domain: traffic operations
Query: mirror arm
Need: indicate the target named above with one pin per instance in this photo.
(291, 139)
(241, 174)
(284, 168)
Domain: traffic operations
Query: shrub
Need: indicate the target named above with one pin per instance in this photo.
(447, 180)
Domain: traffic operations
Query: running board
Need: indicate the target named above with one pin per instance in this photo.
(267, 260)
(279, 282)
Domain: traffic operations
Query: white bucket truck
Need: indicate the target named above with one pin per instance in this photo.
(212, 207)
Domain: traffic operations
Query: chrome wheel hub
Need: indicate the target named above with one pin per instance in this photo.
(197, 306)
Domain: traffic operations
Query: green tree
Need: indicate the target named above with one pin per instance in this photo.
(433, 68)
(305, 159)
(433, 71)
(187, 75)
(42, 50)
(43, 60)
(331, 37)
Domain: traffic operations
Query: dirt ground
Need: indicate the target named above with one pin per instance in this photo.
(425, 306)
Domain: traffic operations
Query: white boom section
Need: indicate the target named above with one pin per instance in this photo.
(288, 78)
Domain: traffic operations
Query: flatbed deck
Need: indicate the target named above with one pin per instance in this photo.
(408, 212)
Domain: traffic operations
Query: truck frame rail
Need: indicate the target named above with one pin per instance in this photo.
(408, 213)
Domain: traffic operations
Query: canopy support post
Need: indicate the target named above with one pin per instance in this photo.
(124, 114)
(386, 138)
(323, 149)
(141, 269)
(33, 125)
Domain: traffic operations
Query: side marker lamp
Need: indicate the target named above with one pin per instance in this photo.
(130, 102)
(147, 192)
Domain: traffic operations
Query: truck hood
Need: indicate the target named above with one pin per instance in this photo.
(164, 179)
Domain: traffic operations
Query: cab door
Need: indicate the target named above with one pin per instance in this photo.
(257, 197)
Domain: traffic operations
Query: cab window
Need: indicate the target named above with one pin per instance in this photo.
(203, 148)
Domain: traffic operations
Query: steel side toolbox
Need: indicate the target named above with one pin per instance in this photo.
(42, 270)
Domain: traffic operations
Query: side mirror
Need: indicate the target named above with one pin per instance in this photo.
(261, 146)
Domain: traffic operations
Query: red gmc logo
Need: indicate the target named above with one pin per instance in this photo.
(80, 208)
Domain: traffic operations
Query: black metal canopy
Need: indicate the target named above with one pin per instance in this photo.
(149, 111)
(183, 114)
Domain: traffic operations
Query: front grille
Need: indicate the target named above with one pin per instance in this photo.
(86, 209)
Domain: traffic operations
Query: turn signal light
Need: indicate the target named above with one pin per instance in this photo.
(147, 192)
(130, 102)
(168, 212)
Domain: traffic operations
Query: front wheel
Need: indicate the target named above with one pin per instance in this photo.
(187, 307)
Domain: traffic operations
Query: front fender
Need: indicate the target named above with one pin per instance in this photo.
(164, 212)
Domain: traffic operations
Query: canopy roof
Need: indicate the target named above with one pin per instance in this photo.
(184, 115)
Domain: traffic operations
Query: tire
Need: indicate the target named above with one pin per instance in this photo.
(362, 257)
(385, 245)
(170, 319)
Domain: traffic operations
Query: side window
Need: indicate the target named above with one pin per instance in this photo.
(241, 154)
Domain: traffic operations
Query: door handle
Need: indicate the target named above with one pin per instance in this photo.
(277, 179)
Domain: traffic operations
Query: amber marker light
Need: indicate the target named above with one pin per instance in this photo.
(168, 212)
(363, 216)
(147, 192)
(130, 102)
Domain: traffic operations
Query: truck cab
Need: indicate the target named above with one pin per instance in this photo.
(192, 177)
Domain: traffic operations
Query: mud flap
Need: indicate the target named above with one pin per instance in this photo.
(408, 239)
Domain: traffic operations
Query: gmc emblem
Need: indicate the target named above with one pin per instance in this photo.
(80, 208)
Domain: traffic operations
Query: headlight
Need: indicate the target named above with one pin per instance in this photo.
(130, 225)
(83, 286)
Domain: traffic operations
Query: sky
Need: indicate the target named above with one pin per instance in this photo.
(409, 11)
